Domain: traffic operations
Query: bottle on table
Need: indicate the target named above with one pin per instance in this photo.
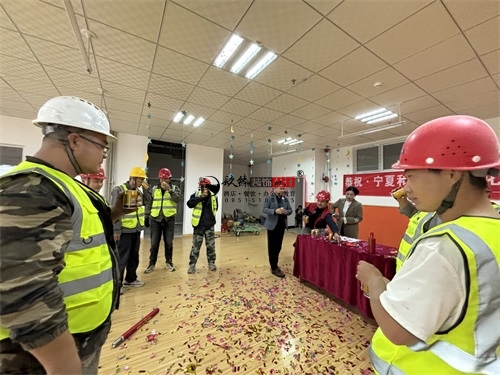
(372, 243)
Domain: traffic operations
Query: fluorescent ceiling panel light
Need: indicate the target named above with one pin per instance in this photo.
(392, 115)
(245, 58)
(295, 143)
(261, 65)
(373, 130)
(188, 120)
(285, 140)
(379, 115)
(198, 122)
(368, 114)
(228, 50)
(178, 116)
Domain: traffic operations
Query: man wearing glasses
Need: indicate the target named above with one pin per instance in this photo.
(59, 278)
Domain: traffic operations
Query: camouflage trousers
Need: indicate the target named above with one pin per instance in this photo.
(198, 235)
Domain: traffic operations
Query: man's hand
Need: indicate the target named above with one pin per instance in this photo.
(117, 211)
(59, 356)
(204, 193)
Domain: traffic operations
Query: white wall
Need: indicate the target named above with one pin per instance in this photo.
(20, 132)
(201, 161)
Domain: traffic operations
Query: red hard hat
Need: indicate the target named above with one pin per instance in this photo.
(164, 173)
(98, 176)
(454, 142)
(204, 181)
(323, 196)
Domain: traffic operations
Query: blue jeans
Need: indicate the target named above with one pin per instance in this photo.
(164, 229)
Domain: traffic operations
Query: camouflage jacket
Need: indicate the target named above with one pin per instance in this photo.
(35, 228)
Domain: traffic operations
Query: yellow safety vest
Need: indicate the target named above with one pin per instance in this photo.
(162, 202)
(413, 232)
(471, 345)
(132, 219)
(195, 219)
(87, 280)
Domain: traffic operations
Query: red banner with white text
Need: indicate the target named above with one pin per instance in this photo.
(380, 184)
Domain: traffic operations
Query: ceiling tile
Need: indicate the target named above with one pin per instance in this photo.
(353, 67)
(167, 86)
(310, 111)
(177, 66)
(119, 46)
(313, 88)
(492, 61)
(339, 99)
(44, 87)
(187, 33)
(12, 66)
(222, 81)
(455, 75)
(288, 120)
(428, 114)
(239, 107)
(67, 78)
(474, 101)
(331, 118)
(468, 14)
(389, 77)
(266, 114)
(30, 17)
(276, 26)
(438, 27)
(314, 50)
(6, 23)
(465, 90)
(436, 58)
(126, 75)
(418, 104)
(364, 20)
(322, 6)
(476, 35)
(117, 91)
(400, 94)
(226, 16)
(225, 118)
(58, 56)
(129, 18)
(14, 45)
(257, 94)
(286, 103)
(207, 98)
(281, 73)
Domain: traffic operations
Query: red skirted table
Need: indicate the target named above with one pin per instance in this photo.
(332, 267)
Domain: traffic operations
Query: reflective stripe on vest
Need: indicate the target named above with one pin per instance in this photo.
(133, 219)
(196, 215)
(471, 345)
(413, 232)
(87, 279)
(162, 202)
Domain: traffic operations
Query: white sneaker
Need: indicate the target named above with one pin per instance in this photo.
(137, 283)
(170, 267)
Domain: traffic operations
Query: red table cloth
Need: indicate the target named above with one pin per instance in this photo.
(332, 267)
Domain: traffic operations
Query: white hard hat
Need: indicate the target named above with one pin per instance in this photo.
(75, 112)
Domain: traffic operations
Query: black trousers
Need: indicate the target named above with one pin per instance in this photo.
(128, 251)
(164, 229)
(274, 242)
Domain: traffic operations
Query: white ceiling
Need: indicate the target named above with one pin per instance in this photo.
(433, 58)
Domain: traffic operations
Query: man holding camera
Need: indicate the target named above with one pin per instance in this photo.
(162, 210)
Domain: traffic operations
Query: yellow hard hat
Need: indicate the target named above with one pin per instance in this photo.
(138, 172)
